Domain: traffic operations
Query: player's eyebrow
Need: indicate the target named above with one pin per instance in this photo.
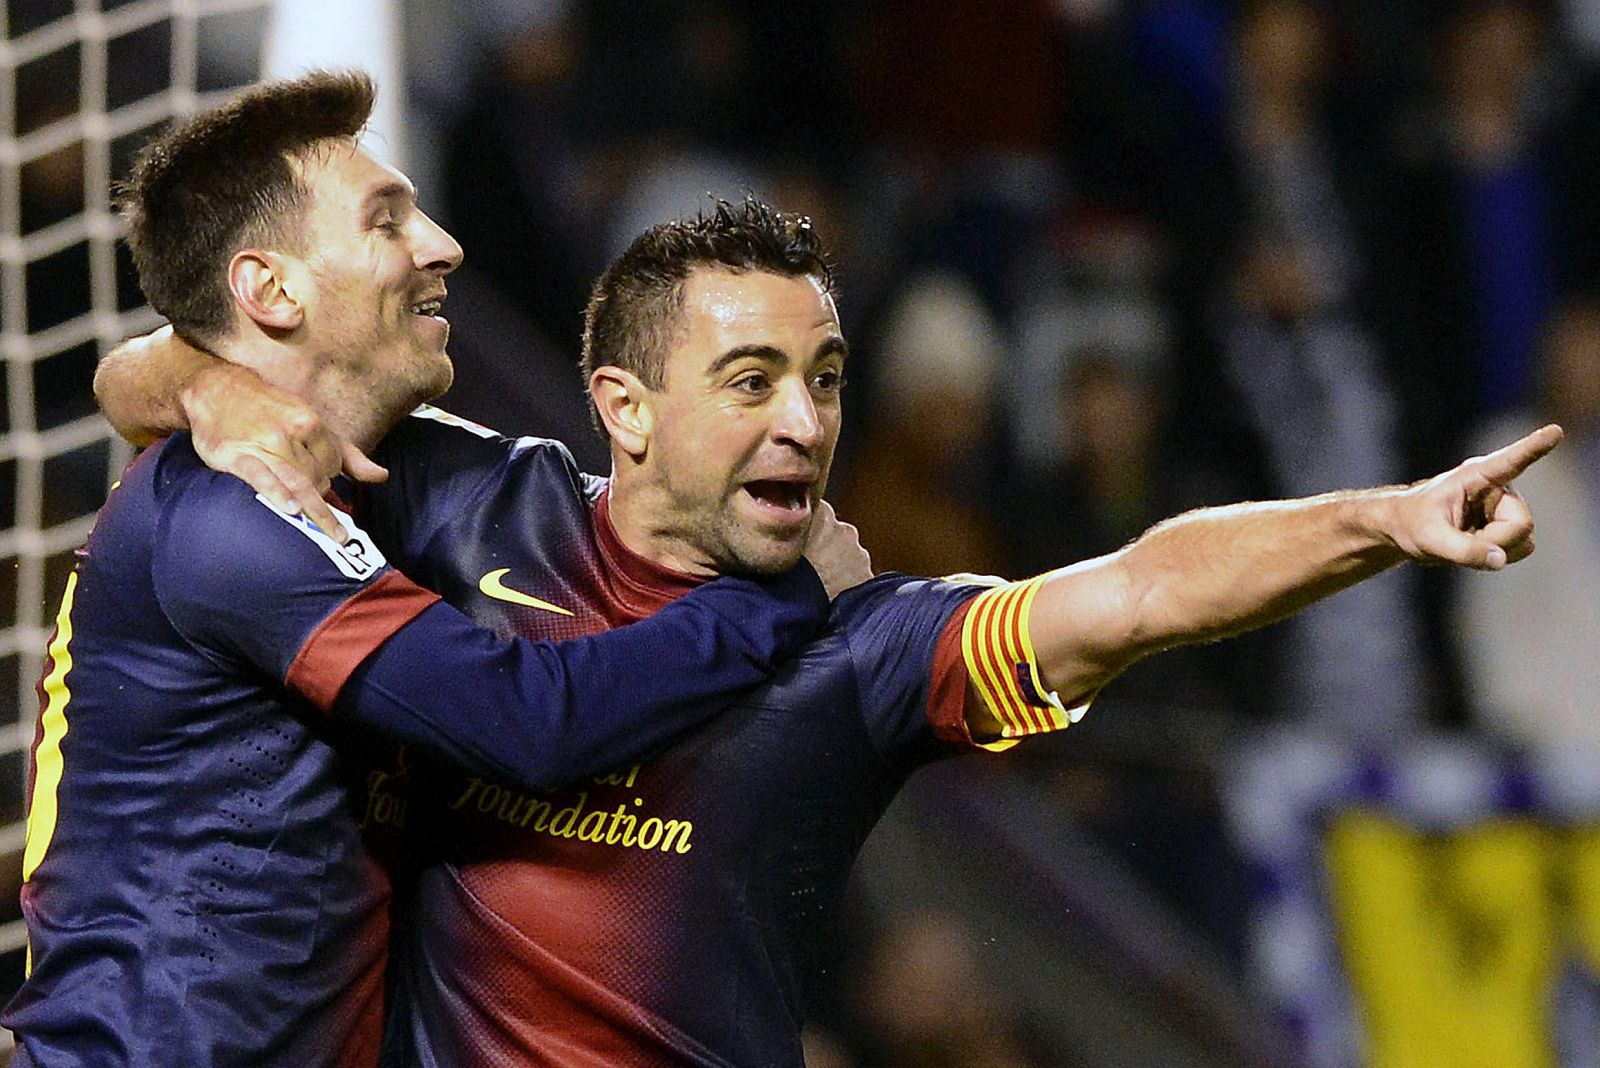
(765, 353)
(772, 354)
(833, 346)
(390, 191)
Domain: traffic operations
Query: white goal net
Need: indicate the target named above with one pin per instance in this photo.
(82, 85)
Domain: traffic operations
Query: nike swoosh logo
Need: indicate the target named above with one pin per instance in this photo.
(491, 585)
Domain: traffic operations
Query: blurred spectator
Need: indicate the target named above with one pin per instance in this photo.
(913, 484)
(1490, 70)
(1528, 644)
(1493, 212)
(924, 1001)
(524, 197)
(961, 105)
(1299, 354)
(1092, 411)
(823, 1050)
(959, 80)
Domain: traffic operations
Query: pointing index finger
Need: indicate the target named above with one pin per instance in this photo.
(1505, 464)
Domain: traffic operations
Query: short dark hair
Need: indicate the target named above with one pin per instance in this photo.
(632, 308)
(223, 180)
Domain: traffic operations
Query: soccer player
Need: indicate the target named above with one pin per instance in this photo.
(673, 911)
(197, 886)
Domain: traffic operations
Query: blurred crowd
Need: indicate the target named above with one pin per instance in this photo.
(1100, 262)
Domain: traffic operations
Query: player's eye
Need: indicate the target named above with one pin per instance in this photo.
(753, 383)
(829, 381)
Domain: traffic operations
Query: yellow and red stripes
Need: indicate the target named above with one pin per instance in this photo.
(1002, 667)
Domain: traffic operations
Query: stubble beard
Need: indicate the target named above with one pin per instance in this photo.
(743, 550)
(394, 381)
(732, 547)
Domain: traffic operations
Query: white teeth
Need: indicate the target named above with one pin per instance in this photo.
(427, 307)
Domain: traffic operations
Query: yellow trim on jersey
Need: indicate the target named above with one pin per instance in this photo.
(1060, 718)
(47, 758)
(997, 645)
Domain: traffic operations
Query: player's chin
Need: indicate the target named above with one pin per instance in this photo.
(430, 373)
(769, 553)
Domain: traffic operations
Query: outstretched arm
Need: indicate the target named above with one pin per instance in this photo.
(1217, 572)
(139, 384)
(152, 385)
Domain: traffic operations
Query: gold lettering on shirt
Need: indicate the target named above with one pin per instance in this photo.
(387, 799)
(578, 817)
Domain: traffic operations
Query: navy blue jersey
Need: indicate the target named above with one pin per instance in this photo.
(672, 911)
(196, 885)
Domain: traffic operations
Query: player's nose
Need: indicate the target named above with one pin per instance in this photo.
(436, 250)
(795, 418)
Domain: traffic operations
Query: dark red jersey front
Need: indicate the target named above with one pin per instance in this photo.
(197, 888)
(673, 911)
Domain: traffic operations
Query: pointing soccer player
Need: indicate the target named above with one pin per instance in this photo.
(197, 890)
(676, 910)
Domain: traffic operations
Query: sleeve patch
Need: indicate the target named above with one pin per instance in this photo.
(357, 558)
(439, 415)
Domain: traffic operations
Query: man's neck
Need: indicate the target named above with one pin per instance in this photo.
(294, 372)
(637, 511)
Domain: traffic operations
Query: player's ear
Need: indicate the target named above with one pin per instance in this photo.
(624, 406)
(259, 284)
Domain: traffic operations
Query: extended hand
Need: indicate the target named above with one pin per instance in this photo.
(272, 440)
(834, 549)
(1470, 515)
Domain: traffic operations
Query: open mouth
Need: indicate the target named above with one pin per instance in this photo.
(782, 499)
(428, 308)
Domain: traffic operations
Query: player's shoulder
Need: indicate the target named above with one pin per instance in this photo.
(133, 505)
(179, 478)
(432, 434)
(208, 522)
(447, 441)
(893, 590)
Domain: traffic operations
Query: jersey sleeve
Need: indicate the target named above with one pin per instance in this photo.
(539, 714)
(1006, 697)
(337, 625)
(248, 585)
(893, 626)
(933, 656)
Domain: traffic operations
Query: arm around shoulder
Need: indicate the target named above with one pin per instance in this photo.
(540, 713)
(139, 385)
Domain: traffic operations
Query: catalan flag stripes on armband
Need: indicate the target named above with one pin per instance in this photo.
(1002, 666)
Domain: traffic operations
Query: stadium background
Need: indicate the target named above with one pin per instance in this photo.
(1101, 260)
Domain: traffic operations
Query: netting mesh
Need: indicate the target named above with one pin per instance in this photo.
(82, 85)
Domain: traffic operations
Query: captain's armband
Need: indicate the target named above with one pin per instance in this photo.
(1014, 702)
